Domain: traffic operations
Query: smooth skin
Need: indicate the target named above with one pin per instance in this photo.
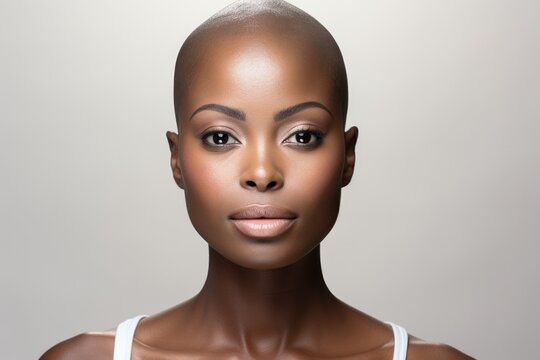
(260, 125)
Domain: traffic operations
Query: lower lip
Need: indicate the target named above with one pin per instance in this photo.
(263, 228)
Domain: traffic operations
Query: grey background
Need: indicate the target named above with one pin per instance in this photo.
(438, 231)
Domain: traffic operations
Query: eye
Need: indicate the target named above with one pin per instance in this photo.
(218, 138)
(305, 138)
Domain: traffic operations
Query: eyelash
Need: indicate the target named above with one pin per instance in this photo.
(319, 136)
(207, 134)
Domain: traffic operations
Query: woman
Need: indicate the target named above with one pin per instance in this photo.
(261, 154)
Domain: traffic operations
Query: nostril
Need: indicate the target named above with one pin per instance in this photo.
(251, 183)
(271, 184)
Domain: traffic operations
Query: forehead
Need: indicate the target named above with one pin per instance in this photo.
(259, 72)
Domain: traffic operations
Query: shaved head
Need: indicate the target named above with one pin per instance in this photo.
(290, 27)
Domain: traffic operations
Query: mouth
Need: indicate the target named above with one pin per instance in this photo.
(263, 221)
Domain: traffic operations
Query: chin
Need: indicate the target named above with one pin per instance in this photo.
(267, 256)
(264, 264)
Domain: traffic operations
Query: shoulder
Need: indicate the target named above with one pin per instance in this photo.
(424, 350)
(86, 346)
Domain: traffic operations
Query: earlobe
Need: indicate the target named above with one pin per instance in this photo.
(173, 140)
(351, 136)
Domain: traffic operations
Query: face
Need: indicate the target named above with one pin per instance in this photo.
(261, 153)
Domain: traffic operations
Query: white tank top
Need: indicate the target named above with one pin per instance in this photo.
(123, 340)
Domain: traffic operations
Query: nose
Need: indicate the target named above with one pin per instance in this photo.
(262, 173)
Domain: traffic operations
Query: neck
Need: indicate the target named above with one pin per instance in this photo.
(264, 308)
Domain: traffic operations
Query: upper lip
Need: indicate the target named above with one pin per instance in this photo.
(263, 212)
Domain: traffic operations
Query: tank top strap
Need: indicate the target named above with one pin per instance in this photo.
(123, 340)
(401, 342)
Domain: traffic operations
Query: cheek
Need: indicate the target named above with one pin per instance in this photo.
(204, 179)
(319, 173)
(205, 176)
(317, 187)
(206, 183)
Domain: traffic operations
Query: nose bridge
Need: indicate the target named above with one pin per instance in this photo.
(262, 171)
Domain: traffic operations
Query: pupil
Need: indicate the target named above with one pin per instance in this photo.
(303, 137)
(220, 138)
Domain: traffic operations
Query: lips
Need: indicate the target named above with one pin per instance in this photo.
(263, 221)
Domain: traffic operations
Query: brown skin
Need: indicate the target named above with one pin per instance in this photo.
(263, 299)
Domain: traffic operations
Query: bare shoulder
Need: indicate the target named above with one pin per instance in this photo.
(86, 346)
(425, 350)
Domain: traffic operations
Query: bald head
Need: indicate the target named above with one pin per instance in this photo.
(286, 25)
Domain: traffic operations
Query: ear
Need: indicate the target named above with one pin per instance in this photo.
(351, 136)
(173, 139)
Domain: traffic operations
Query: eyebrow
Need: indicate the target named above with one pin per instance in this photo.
(234, 113)
(280, 115)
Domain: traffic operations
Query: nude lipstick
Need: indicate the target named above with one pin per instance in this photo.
(263, 221)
